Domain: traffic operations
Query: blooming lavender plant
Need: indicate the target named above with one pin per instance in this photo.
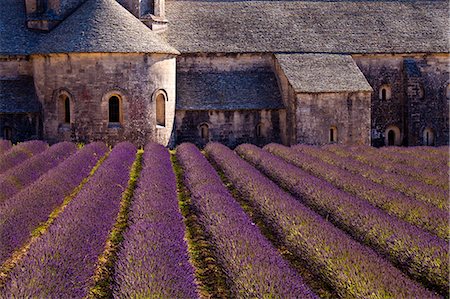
(410, 187)
(421, 254)
(366, 155)
(13, 180)
(63, 260)
(352, 269)
(5, 145)
(398, 155)
(153, 261)
(418, 213)
(21, 152)
(253, 265)
(24, 211)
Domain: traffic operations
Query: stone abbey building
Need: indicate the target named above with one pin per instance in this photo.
(345, 71)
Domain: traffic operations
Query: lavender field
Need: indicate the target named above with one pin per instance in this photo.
(274, 222)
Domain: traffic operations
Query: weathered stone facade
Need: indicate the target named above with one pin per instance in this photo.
(416, 101)
(230, 127)
(347, 113)
(90, 80)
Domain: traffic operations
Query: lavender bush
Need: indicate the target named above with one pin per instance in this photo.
(5, 145)
(398, 155)
(369, 156)
(410, 187)
(253, 265)
(418, 213)
(63, 260)
(154, 262)
(352, 269)
(423, 255)
(13, 180)
(23, 212)
(19, 153)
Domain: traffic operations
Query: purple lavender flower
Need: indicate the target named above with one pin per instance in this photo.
(21, 152)
(352, 269)
(27, 172)
(154, 262)
(23, 212)
(418, 213)
(253, 265)
(423, 255)
(5, 145)
(64, 259)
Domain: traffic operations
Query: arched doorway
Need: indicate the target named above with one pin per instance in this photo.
(428, 137)
(392, 136)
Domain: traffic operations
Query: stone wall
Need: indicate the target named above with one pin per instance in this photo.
(404, 109)
(90, 79)
(288, 95)
(12, 67)
(349, 113)
(230, 127)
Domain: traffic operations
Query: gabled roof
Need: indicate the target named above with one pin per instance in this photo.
(292, 26)
(18, 96)
(314, 73)
(102, 26)
(232, 90)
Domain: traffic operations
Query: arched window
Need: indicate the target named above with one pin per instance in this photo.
(114, 109)
(385, 92)
(428, 137)
(258, 130)
(333, 134)
(41, 6)
(161, 110)
(392, 136)
(204, 132)
(65, 109)
(448, 91)
(7, 133)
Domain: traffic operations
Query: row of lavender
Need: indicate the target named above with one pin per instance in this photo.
(404, 184)
(370, 156)
(17, 178)
(62, 263)
(394, 202)
(153, 261)
(353, 270)
(421, 254)
(253, 266)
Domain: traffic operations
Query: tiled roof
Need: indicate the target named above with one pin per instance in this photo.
(308, 26)
(322, 73)
(18, 96)
(103, 26)
(233, 90)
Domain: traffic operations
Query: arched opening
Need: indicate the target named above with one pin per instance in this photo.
(391, 137)
(67, 110)
(258, 131)
(385, 92)
(204, 132)
(114, 109)
(161, 110)
(7, 133)
(428, 137)
(333, 135)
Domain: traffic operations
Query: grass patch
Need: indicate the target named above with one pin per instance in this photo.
(210, 276)
(104, 274)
